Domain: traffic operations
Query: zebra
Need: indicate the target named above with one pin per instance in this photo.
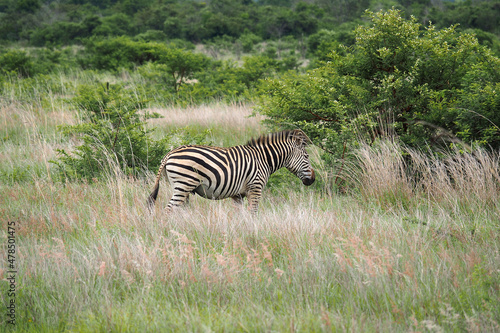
(234, 172)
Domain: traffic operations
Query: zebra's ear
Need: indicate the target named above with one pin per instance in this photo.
(301, 137)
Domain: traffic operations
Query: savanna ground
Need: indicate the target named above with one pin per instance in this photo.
(388, 255)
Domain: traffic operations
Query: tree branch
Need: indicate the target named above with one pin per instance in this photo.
(318, 116)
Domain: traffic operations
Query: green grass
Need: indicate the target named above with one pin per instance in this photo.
(307, 262)
(380, 258)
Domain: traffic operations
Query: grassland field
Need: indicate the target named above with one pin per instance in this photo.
(383, 257)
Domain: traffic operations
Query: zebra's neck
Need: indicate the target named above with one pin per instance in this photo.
(273, 156)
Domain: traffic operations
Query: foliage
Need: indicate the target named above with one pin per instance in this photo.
(320, 103)
(420, 85)
(322, 43)
(33, 62)
(123, 53)
(16, 61)
(58, 23)
(64, 32)
(470, 14)
(112, 133)
(248, 40)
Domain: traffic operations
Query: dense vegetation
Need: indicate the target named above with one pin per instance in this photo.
(391, 77)
(49, 23)
(399, 232)
(399, 80)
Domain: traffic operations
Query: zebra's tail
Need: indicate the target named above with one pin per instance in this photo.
(152, 197)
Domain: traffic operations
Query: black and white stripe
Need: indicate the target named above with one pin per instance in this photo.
(235, 172)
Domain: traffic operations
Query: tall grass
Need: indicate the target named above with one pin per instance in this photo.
(417, 250)
(395, 174)
(93, 259)
(230, 125)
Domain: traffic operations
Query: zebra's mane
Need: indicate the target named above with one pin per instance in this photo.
(266, 138)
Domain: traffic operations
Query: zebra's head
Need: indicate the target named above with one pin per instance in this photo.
(298, 162)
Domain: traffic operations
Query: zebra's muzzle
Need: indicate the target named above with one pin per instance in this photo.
(309, 180)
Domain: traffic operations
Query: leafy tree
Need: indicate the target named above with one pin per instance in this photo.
(399, 80)
(133, 6)
(114, 25)
(113, 133)
(487, 39)
(248, 40)
(17, 62)
(181, 65)
(48, 23)
(151, 36)
(37, 61)
(340, 11)
(122, 52)
(484, 15)
(306, 18)
(29, 6)
(322, 43)
(64, 32)
(228, 81)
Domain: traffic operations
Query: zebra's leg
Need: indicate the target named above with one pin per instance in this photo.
(238, 199)
(254, 196)
(180, 195)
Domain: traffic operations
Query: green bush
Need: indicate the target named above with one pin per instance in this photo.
(64, 32)
(321, 103)
(322, 43)
(18, 62)
(422, 86)
(121, 52)
(151, 36)
(248, 40)
(118, 53)
(115, 25)
(113, 135)
(36, 61)
(225, 80)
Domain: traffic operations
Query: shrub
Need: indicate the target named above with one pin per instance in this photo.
(16, 61)
(398, 81)
(120, 52)
(322, 43)
(65, 33)
(248, 40)
(112, 133)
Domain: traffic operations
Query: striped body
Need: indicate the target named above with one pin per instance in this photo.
(235, 172)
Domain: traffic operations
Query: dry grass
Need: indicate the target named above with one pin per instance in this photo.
(234, 117)
(468, 179)
(329, 262)
(227, 125)
(421, 256)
